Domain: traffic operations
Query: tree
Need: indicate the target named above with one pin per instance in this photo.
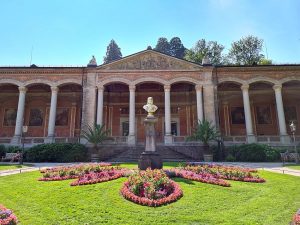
(163, 46)
(113, 52)
(176, 48)
(212, 49)
(246, 51)
(95, 135)
(265, 61)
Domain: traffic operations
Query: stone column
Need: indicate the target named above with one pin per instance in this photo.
(247, 110)
(131, 137)
(88, 102)
(284, 138)
(20, 116)
(168, 135)
(52, 115)
(199, 102)
(209, 103)
(100, 105)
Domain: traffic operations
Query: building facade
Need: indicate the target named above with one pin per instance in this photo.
(247, 103)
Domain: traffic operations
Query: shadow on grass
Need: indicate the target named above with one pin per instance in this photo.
(181, 180)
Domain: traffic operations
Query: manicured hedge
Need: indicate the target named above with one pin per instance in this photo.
(2, 151)
(57, 153)
(253, 153)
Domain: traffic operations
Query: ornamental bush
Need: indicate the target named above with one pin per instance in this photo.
(2, 151)
(57, 153)
(253, 153)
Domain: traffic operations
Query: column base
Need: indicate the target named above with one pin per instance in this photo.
(49, 140)
(16, 140)
(131, 140)
(251, 138)
(285, 139)
(168, 139)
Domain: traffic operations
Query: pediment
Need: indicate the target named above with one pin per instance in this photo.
(150, 60)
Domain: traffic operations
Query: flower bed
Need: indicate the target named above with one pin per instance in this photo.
(151, 188)
(75, 171)
(201, 177)
(226, 172)
(7, 217)
(93, 178)
(296, 218)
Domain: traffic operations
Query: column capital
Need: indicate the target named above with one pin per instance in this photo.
(22, 89)
(277, 87)
(198, 87)
(132, 87)
(54, 88)
(245, 87)
(167, 87)
(100, 87)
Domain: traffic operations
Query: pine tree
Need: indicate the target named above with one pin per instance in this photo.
(163, 46)
(176, 48)
(113, 52)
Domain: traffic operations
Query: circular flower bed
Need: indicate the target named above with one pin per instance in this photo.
(151, 188)
(7, 217)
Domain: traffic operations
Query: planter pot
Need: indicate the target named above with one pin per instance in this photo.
(208, 157)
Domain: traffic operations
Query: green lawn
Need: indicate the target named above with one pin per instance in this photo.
(36, 202)
(12, 166)
(293, 166)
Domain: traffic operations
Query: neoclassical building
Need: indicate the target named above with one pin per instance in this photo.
(247, 103)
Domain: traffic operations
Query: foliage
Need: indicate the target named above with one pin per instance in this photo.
(265, 61)
(253, 153)
(95, 135)
(204, 132)
(296, 218)
(113, 52)
(163, 46)
(176, 48)
(57, 153)
(7, 217)
(211, 49)
(2, 151)
(58, 203)
(246, 51)
(13, 149)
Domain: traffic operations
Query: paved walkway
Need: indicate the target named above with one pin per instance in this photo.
(272, 167)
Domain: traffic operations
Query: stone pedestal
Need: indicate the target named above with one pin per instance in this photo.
(150, 158)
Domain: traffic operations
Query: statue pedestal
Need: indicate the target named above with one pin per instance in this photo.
(150, 158)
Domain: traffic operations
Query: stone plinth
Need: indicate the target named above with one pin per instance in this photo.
(150, 158)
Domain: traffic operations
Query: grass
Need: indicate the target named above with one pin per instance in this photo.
(12, 166)
(36, 202)
(293, 166)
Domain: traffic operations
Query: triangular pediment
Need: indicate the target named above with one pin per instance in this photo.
(150, 60)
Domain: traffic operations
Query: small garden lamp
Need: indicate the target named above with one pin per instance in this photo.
(24, 131)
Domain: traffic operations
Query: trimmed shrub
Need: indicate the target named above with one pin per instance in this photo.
(13, 149)
(253, 153)
(2, 151)
(57, 153)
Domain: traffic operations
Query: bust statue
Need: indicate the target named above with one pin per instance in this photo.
(150, 107)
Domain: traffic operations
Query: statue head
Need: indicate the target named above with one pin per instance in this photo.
(150, 100)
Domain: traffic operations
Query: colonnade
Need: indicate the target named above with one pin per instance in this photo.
(168, 139)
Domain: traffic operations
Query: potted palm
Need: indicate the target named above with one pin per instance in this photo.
(205, 132)
(95, 135)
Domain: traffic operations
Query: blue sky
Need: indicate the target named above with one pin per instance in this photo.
(69, 32)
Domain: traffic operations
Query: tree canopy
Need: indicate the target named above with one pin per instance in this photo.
(211, 49)
(246, 51)
(176, 48)
(163, 45)
(113, 52)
